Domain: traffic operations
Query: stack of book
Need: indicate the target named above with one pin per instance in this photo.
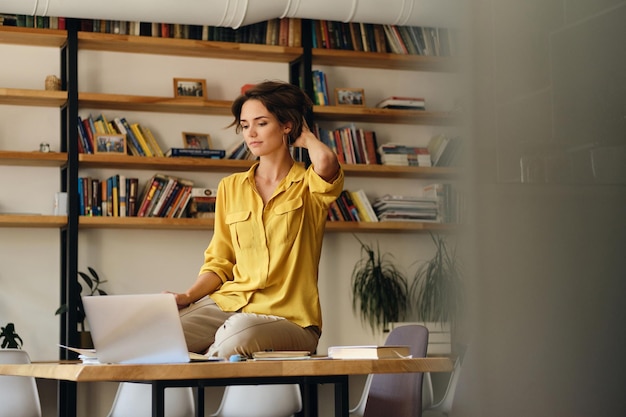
(407, 208)
(352, 144)
(393, 154)
(196, 153)
(165, 196)
(352, 206)
(202, 203)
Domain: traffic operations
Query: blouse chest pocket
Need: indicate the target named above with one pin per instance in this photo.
(241, 229)
(288, 219)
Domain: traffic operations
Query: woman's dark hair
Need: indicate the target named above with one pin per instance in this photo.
(287, 102)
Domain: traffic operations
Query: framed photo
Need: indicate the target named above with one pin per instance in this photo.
(110, 143)
(349, 97)
(190, 88)
(197, 140)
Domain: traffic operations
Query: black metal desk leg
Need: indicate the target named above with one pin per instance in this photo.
(158, 399)
(342, 406)
(309, 399)
(199, 400)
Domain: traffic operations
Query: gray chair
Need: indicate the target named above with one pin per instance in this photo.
(398, 395)
(19, 396)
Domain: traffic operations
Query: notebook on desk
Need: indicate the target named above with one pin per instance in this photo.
(137, 329)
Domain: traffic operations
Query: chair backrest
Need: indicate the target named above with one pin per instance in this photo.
(279, 400)
(19, 396)
(135, 400)
(399, 395)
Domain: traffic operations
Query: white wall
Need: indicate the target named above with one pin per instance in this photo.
(140, 261)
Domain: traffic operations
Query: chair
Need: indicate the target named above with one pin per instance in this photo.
(279, 400)
(135, 400)
(398, 395)
(444, 406)
(19, 396)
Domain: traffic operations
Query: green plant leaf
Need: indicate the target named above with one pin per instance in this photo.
(380, 290)
(438, 288)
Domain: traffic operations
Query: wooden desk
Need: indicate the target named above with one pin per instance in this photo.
(198, 375)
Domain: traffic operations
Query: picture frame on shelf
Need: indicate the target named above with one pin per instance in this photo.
(110, 143)
(196, 140)
(350, 97)
(190, 88)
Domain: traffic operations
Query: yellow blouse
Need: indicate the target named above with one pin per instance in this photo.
(268, 256)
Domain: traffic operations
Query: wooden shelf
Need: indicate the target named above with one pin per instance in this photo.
(154, 104)
(387, 227)
(26, 97)
(34, 158)
(232, 165)
(376, 115)
(222, 108)
(186, 47)
(393, 171)
(32, 221)
(157, 223)
(33, 37)
(162, 163)
(144, 223)
(342, 58)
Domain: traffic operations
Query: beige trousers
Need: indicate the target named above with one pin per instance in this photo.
(219, 333)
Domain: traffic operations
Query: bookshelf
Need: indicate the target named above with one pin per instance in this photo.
(221, 50)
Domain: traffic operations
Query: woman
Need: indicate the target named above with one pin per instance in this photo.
(260, 268)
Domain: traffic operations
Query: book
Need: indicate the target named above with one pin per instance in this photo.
(152, 142)
(195, 152)
(407, 103)
(278, 355)
(368, 352)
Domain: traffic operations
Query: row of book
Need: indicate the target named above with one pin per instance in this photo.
(138, 139)
(119, 196)
(282, 32)
(352, 144)
(115, 196)
(165, 196)
(352, 206)
(368, 37)
(320, 88)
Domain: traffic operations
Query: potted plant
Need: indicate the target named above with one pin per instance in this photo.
(379, 289)
(437, 289)
(93, 282)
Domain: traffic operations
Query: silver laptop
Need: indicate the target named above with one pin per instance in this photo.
(137, 329)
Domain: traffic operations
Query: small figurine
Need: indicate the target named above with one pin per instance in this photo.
(11, 340)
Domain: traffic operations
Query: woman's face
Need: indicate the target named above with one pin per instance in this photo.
(261, 130)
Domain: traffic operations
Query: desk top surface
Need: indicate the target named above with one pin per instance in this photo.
(79, 372)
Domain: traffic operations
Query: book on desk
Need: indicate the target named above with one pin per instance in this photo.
(368, 352)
